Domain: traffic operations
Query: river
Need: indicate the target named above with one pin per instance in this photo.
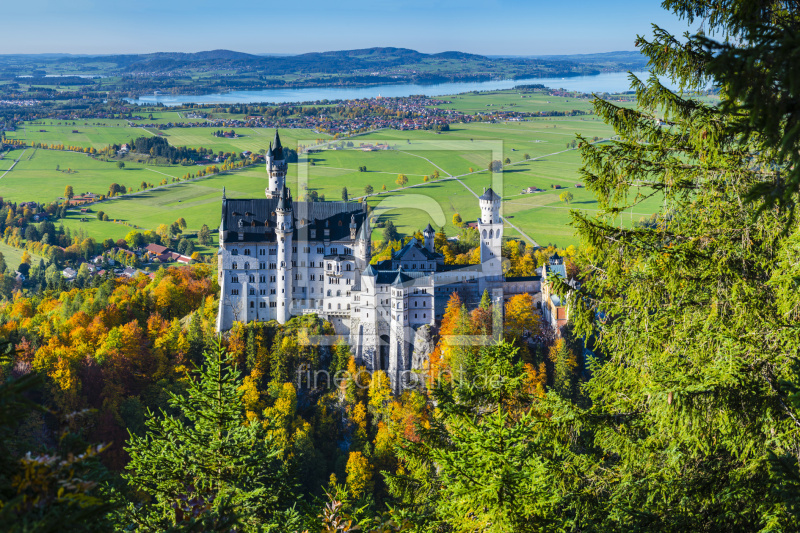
(611, 82)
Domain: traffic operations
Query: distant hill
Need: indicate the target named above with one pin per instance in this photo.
(328, 62)
(225, 70)
(624, 56)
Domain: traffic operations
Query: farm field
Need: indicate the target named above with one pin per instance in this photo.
(36, 178)
(514, 100)
(13, 256)
(464, 151)
(100, 133)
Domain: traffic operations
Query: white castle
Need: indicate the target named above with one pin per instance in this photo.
(280, 258)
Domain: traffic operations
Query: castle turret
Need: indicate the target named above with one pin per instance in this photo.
(490, 229)
(276, 167)
(429, 235)
(283, 231)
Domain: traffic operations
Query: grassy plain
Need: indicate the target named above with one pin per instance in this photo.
(459, 152)
(35, 177)
(13, 256)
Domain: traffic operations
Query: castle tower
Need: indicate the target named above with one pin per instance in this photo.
(429, 235)
(276, 167)
(399, 334)
(283, 231)
(363, 239)
(490, 230)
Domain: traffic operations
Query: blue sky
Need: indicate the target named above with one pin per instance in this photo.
(485, 27)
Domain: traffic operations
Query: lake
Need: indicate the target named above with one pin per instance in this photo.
(611, 82)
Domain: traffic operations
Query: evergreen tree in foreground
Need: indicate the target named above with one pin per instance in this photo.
(694, 421)
(208, 469)
(475, 468)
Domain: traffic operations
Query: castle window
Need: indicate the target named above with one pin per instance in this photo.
(273, 251)
(415, 315)
(252, 292)
(424, 304)
(234, 292)
(491, 233)
(234, 266)
(234, 279)
(329, 292)
(424, 315)
(263, 292)
(247, 251)
(234, 252)
(252, 305)
(262, 305)
(414, 265)
(338, 293)
(262, 265)
(415, 303)
(252, 279)
(294, 249)
(261, 252)
(484, 234)
(247, 266)
(272, 291)
(348, 268)
(339, 306)
(329, 306)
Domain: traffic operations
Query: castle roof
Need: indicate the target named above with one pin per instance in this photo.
(559, 270)
(429, 229)
(284, 200)
(277, 148)
(257, 219)
(413, 244)
(489, 194)
(401, 279)
(370, 271)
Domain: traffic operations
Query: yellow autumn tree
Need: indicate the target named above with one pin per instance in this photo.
(359, 474)
(520, 317)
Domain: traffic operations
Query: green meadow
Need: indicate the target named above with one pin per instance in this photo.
(463, 152)
(42, 175)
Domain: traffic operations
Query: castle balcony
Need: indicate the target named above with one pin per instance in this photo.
(333, 272)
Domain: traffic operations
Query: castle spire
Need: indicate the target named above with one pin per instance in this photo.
(223, 192)
(277, 148)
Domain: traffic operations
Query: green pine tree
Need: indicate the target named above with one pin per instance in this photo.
(474, 469)
(693, 413)
(206, 468)
(486, 300)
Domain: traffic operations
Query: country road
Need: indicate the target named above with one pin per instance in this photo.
(14, 163)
